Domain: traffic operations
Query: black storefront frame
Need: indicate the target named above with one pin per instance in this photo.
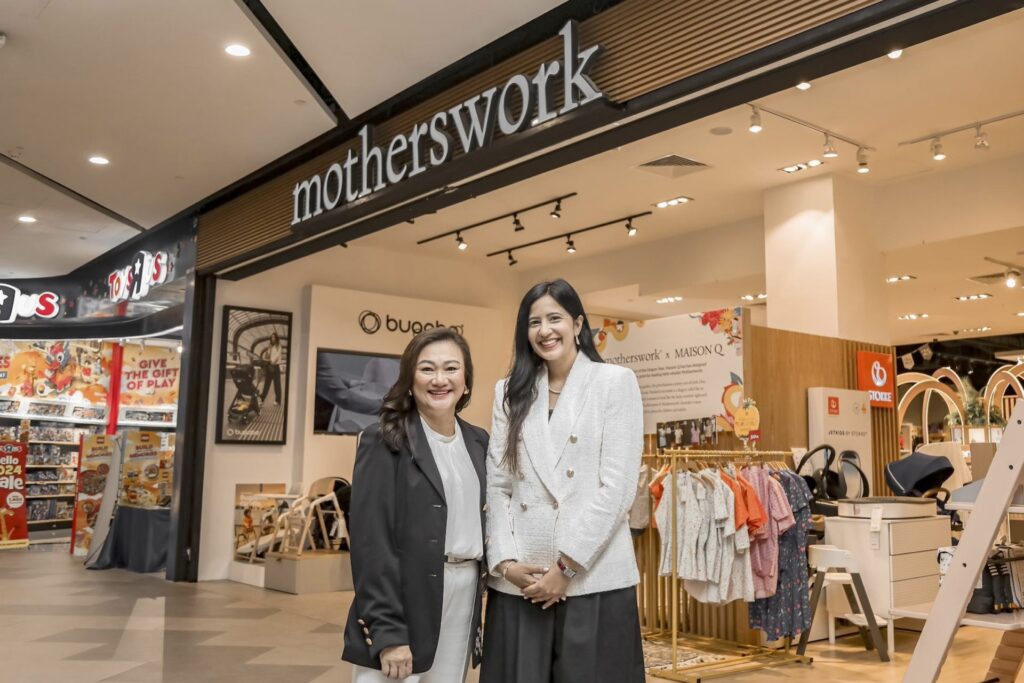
(389, 207)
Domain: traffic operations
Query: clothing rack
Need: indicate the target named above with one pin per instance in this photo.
(739, 657)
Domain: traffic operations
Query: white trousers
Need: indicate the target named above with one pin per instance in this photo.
(452, 657)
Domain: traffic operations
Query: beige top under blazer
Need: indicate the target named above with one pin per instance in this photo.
(577, 480)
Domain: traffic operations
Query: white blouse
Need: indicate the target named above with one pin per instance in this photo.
(463, 537)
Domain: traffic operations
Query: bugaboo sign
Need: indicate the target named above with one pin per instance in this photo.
(372, 323)
(431, 143)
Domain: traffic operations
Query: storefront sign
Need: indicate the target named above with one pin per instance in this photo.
(15, 304)
(875, 375)
(13, 513)
(134, 281)
(688, 366)
(431, 143)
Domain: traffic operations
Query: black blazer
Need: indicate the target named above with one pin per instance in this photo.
(397, 531)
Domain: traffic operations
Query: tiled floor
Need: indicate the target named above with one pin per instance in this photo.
(61, 623)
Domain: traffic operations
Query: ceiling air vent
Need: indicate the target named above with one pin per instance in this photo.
(673, 166)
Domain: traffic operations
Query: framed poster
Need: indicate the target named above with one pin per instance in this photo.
(252, 402)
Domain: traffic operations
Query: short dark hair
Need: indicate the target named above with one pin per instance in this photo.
(399, 406)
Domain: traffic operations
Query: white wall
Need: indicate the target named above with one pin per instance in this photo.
(288, 288)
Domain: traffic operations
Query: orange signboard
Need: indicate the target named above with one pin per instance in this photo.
(875, 375)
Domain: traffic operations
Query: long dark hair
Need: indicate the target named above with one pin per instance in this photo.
(521, 388)
(399, 406)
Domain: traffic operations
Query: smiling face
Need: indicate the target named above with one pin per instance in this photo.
(440, 379)
(552, 331)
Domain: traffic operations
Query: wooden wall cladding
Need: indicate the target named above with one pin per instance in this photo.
(648, 44)
(780, 366)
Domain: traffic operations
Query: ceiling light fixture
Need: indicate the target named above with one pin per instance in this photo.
(511, 259)
(754, 297)
(99, 160)
(937, 152)
(1012, 278)
(630, 228)
(862, 161)
(980, 139)
(26, 219)
(676, 201)
(557, 211)
(899, 278)
(814, 163)
(830, 149)
(895, 54)
(669, 300)
(569, 245)
(568, 236)
(755, 120)
(461, 242)
(803, 85)
(973, 297)
(514, 215)
(913, 316)
(238, 50)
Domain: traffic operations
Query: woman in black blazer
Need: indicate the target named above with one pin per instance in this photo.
(417, 520)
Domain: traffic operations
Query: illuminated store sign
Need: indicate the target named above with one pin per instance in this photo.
(470, 124)
(14, 304)
(133, 281)
(875, 375)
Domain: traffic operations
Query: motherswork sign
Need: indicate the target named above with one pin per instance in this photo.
(688, 366)
(432, 143)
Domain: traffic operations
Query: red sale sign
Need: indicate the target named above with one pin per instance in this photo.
(13, 512)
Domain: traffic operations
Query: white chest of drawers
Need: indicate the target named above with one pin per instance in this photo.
(897, 562)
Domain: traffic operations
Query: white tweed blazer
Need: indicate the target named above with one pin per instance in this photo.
(577, 480)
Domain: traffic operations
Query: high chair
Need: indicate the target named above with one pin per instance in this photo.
(836, 566)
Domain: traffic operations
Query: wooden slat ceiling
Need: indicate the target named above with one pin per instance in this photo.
(648, 44)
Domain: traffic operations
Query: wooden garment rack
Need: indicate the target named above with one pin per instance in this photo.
(739, 657)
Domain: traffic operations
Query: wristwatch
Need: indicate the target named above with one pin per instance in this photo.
(567, 571)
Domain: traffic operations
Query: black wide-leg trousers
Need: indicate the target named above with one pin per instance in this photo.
(586, 639)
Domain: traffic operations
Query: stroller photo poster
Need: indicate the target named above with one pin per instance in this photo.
(254, 363)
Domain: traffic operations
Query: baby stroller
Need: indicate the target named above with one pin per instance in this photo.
(245, 406)
(920, 475)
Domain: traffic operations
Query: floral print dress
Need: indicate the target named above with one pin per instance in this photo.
(788, 612)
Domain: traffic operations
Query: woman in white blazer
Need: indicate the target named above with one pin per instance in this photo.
(562, 469)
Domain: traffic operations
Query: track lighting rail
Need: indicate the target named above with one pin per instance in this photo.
(807, 124)
(959, 129)
(570, 234)
(554, 201)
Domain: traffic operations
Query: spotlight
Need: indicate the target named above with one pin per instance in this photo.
(511, 259)
(557, 211)
(517, 224)
(569, 246)
(1012, 278)
(895, 54)
(980, 139)
(755, 120)
(803, 85)
(862, 161)
(813, 163)
(937, 152)
(26, 219)
(830, 149)
(630, 228)
(461, 242)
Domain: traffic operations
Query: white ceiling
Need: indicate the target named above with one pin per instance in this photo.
(66, 234)
(954, 80)
(366, 52)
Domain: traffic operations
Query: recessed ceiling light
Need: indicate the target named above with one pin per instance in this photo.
(913, 316)
(98, 160)
(899, 278)
(754, 297)
(675, 201)
(26, 219)
(801, 166)
(238, 50)
(1021, 314)
(983, 328)
(803, 85)
(973, 297)
(895, 54)
(815, 162)
(669, 300)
